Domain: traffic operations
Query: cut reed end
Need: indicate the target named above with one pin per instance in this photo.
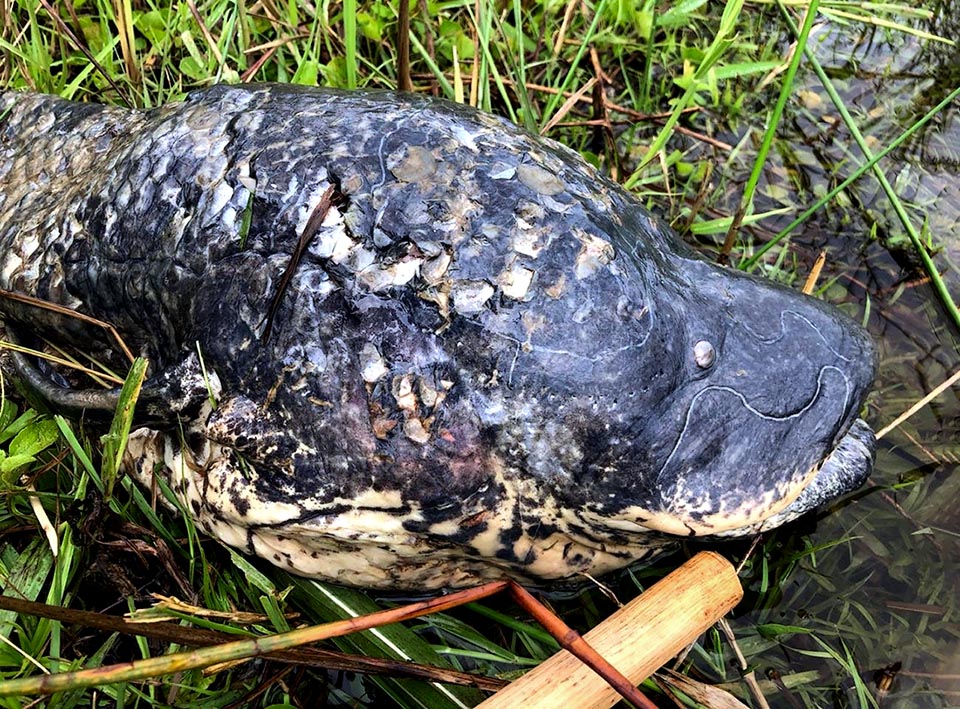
(637, 639)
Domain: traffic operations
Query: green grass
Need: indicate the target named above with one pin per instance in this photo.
(687, 74)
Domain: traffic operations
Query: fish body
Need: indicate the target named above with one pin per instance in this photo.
(436, 349)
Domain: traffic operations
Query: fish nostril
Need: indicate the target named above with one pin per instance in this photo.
(704, 354)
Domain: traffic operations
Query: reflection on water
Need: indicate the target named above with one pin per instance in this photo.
(888, 592)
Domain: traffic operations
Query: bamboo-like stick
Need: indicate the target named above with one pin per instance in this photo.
(637, 639)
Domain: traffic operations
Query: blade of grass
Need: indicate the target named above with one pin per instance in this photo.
(939, 287)
(437, 71)
(571, 74)
(772, 122)
(115, 440)
(241, 649)
(123, 16)
(752, 262)
(25, 578)
(519, 626)
(336, 603)
(77, 449)
(470, 640)
(350, 41)
(888, 24)
(519, 63)
(718, 46)
(187, 635)
(485, 34)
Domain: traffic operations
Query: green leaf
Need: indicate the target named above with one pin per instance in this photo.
(773, 630)
(18, 425)
(329, 602)
(334, 73)
(370, 26)
(192, 68)
(34, 438)
(307, 73)
(153, 25)
(26, 578)
(721, 224)
(115, 442)
(250, 572)
(679, 14)
(9, 467)
(740, 69)
(8, 412)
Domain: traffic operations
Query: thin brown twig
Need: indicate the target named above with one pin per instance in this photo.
(627, 111)
(748, 676)
(86, 52)
(430, 44)
(931, 456)
(206, 32)
(309, 231)
(568, 638)
(571, 641)
(77, 27)
(702, 137)
(274, 43)
(592, 123)
(404, 82)
(564, 25)
(26, 74)
(700, 197)
(255, 67)
(636, 115)
(746, 557)
(264, 687)
(950, 381)
(67, 312)
(604, 135)
(201, 637)
(567, 105)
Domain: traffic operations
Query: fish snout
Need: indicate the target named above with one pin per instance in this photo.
(782, 350)
(787, 378)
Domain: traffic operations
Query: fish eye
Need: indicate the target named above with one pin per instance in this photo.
(704, 354)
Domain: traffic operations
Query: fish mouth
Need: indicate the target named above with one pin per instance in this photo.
(844, 469)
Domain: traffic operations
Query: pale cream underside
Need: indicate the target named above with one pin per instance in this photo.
(368, 545)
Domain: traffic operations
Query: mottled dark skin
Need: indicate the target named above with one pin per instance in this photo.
(486, 343)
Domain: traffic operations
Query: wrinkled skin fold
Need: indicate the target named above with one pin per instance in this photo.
(489, 359)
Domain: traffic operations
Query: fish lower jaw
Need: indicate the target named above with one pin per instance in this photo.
(423, 566)
(367, 542)
(843, 470)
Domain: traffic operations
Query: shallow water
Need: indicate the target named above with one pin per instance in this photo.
(887, 592)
